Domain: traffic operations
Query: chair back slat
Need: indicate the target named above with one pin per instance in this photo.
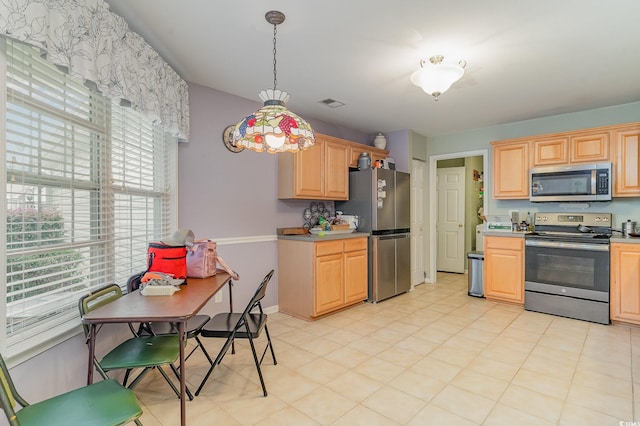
(100, 297)
(255, 301)
(260, 292)
(96, 299)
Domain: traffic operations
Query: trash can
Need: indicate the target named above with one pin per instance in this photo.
(475, 268)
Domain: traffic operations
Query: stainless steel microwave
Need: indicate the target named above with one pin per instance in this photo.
(577, 182)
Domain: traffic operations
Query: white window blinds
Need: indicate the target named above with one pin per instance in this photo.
(141, 184)
(88, 185)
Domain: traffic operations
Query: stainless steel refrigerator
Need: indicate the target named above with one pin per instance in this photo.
(380, 198)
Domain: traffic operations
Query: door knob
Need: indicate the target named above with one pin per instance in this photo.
(460, 225)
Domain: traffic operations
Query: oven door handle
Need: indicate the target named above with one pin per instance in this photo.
(565, 245)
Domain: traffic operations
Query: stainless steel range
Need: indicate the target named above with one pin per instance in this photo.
(567, 265)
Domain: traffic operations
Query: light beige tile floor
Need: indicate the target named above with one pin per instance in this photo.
(433, 356)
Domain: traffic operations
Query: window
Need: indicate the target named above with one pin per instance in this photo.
(88, 184)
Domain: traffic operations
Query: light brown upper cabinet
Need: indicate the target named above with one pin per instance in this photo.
(320, 172)
(589, 147)
(619, 144)
(355, 149)
(511, 170)
(571, 148)
(550, 151)
(626, 159)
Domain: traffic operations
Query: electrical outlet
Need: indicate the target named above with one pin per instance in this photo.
(217, 298)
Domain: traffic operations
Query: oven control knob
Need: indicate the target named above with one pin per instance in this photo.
(564, 290)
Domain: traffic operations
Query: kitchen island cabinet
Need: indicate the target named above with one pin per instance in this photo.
(625, 283)
(504, 268)
(319, 276)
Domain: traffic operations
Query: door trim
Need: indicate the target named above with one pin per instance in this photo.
(433, 159)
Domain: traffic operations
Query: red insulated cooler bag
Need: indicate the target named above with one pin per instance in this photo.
(167, 259)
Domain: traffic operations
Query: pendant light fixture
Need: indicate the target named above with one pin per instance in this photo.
(273, 128)
(436, 77)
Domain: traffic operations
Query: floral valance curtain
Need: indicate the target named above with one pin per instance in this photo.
(91, 42)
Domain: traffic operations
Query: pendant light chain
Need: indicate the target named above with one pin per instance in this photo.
(273, 128)
(275, 72)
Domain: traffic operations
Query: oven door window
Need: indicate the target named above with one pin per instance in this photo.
(576, 268)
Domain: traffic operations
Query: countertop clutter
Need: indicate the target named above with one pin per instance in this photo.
(325, 237)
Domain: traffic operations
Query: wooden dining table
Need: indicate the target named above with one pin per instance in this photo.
(178, 308)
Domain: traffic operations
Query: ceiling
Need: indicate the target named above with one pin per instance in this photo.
(524, 59)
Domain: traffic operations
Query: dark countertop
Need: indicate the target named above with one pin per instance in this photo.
(314, 238)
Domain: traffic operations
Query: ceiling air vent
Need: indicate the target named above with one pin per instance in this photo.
(332, 103)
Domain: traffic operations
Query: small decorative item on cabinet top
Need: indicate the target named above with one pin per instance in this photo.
(364, 161)
(380, 141)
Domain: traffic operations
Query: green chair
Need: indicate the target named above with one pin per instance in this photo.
(192, 327)
(139, 352)
(104, 403)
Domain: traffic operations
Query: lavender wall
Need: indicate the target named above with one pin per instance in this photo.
(398, 147)
(232, 197)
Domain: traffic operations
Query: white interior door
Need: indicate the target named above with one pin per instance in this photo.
(450, 221)
(417, 222)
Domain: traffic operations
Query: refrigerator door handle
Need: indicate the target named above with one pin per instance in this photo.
(392, 237)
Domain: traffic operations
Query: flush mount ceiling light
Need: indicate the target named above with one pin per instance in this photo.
(436, 77)
(273, 128)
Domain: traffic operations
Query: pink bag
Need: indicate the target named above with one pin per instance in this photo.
(202, 260)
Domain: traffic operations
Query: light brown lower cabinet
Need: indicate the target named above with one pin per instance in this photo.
(504, 269)
(317, 278)
(625, 283)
